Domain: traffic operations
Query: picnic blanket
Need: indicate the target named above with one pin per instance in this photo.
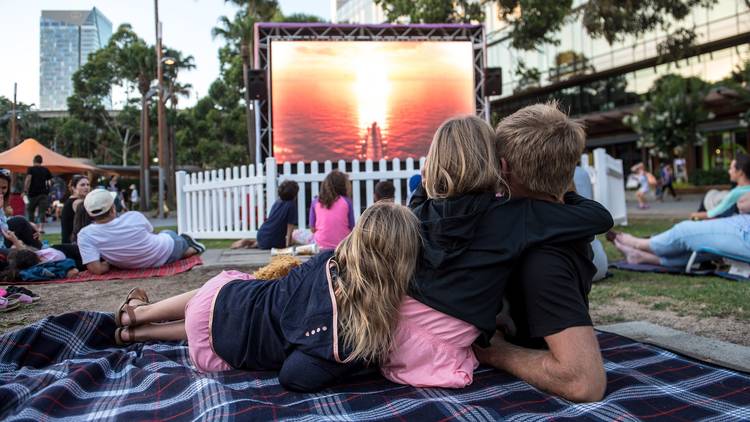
(651, 268)
(67, 368)
(176, 267)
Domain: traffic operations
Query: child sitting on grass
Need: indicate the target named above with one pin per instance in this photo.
(276, 231)
(323, 320)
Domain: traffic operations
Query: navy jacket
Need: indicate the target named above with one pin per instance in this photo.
(257, 324)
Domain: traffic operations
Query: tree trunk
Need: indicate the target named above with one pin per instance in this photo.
(125, 144)
(249, 111)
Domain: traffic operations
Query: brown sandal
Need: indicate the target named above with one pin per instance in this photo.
(118, 336)
(136, 293)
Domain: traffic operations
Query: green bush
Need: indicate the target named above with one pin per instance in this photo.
(715, 176)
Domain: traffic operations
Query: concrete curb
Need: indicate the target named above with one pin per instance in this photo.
(708, 350)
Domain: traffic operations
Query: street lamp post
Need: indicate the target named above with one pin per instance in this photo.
(161, 117)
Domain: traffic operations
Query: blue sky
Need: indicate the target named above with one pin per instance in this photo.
(186, 26)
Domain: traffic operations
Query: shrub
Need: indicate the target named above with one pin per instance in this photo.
(715, 176)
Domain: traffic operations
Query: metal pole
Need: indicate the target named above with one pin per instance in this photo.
(13, 127)
(160, 109)
(145, 155)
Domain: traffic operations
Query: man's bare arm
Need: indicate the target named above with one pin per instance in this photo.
(98, 267)
(26, 184)
(572, 367)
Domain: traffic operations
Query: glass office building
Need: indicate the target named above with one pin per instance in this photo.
(67, 37)
(601, 83)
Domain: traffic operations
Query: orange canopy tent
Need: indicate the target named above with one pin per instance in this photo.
(21, 157)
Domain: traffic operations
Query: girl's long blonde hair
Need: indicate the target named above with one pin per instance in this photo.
(462, 159)
(376, 264)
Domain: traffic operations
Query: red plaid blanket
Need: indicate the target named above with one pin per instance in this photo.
(176, 267)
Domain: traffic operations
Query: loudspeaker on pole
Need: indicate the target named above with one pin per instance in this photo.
(493, 81)
(257, 85)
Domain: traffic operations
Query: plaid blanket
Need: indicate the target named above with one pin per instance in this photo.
(177, 267)
(66, 368)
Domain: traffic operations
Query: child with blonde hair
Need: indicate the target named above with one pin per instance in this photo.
(472, 236)
(324, 319)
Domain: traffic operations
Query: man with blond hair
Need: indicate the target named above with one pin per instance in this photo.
(551, 342)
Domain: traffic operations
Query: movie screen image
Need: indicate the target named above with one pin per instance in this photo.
(365, 99)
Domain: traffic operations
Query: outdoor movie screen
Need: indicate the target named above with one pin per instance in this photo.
(333, 100)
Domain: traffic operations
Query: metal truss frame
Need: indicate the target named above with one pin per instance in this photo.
(266, 33)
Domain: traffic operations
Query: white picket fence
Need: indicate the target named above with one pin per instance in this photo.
(232, 203)
(608, 180)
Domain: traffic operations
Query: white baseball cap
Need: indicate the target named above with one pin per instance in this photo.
(99, 202)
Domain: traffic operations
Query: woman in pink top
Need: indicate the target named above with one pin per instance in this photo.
(331, 213)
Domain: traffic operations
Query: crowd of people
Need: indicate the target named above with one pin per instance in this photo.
(491, 262)
(417, 291)
(93, 236)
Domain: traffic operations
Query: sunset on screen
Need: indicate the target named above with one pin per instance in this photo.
(365, 100)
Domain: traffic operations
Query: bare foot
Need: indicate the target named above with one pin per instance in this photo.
(626, 239)
(636, 256)
(243, 244)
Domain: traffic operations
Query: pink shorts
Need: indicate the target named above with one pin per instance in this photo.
(198, 315)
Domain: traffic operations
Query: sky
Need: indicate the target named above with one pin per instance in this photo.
(186, 26)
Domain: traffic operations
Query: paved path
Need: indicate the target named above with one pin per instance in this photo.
(231, 258)
(667, 209)
(704, 349)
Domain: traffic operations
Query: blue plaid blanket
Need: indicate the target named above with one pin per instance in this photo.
(67, 368)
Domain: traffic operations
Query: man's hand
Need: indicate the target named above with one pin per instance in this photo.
(572, 367)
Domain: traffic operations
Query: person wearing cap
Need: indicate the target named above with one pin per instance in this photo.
(127, 241)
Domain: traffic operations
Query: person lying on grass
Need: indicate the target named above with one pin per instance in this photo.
(325, 319)
(127, 241)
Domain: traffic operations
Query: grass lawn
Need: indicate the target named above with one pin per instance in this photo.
(683, 295)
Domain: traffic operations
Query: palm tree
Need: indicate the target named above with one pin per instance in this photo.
(239, 34)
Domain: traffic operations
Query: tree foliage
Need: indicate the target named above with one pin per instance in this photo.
(126, 61)
(432, 11)
(667, 120)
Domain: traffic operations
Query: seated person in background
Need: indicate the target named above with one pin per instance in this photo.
(20, 226)
(551, 344)
(127, 241)
(331, 213)
(674, 247)
(384, 191)
(739, 173)
(276, 231)
(78, 188)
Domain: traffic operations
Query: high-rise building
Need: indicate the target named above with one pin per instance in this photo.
(67, 37)
(602, 83)
(356, 11)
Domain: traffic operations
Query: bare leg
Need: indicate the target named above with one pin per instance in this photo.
(633, 242)
(636, 256)
(174, 331)
(170, 309)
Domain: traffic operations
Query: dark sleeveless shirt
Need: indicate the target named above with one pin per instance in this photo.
(66, 220)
